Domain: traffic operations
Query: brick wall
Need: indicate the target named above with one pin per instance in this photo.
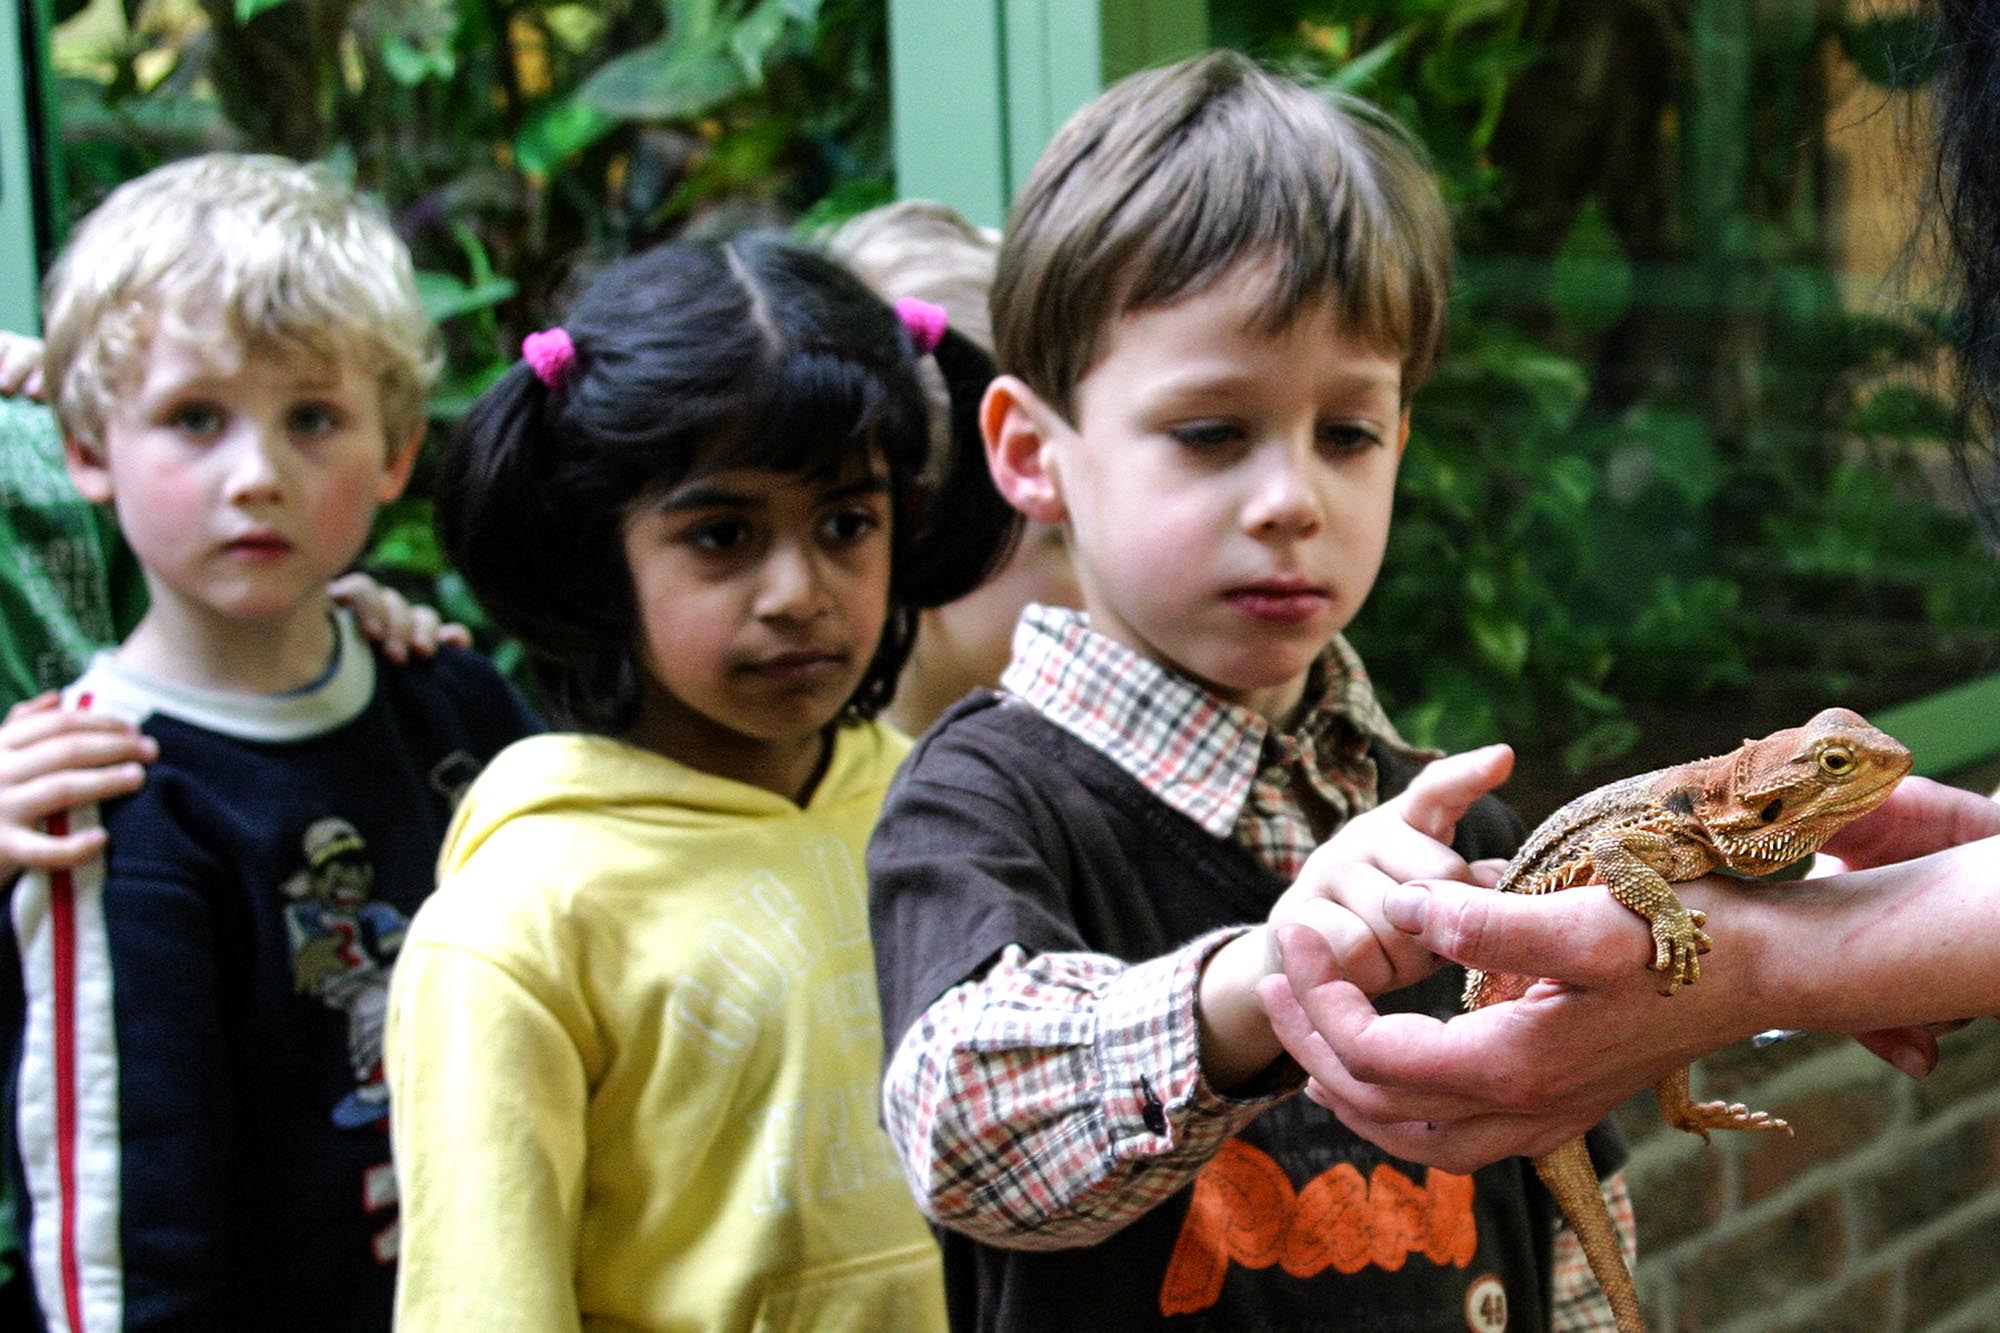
(1880, 1216)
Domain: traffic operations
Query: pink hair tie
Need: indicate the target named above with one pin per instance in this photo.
(926, 322)
(550, 353)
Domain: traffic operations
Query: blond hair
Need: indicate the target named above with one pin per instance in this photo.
(285, 252)
(918, 247)
(1176, 176)
(921, 248)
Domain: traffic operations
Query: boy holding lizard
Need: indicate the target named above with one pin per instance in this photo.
(1216, 294)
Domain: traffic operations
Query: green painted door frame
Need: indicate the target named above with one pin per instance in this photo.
(25, 213)
(978, 87)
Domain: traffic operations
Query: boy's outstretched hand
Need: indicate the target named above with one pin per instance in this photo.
(54, 758)
(1340, 893)
(1338, 897)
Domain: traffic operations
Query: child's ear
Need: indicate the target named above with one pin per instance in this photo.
(88, 470)
(396, 474)
(1403, 432)
(1019, 428)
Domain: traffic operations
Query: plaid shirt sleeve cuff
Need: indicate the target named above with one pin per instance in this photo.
(1051, 1101)
(1577, 1303)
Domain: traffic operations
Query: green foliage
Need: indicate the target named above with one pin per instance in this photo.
(1666, 461)
(520, 145)
(1662, 461)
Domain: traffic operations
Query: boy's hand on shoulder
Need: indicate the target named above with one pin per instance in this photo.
(392, 620)
(1340, 893)
(52, 759)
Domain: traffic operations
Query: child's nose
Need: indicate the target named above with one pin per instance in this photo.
(793, 585)
(254, 469)
(1284, 500)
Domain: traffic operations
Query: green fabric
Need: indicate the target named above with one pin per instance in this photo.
(68, 585)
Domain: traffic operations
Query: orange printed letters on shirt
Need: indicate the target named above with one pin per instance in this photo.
(1245, 1209)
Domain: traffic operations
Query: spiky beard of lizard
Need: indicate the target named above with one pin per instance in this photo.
(1748, 840)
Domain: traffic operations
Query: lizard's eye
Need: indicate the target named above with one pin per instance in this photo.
(1836, 761)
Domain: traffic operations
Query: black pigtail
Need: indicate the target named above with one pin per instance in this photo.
(501, 528)
(965, 531)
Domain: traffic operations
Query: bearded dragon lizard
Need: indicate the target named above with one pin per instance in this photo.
(1754, 810)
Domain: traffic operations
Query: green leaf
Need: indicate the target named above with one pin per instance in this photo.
(1603, 742)
(453, 398)
(1591, 283)
(1901, 412)
(557, 133)
(1573, 479)
(1894, 51)
(1590, 697)
(1683, 453)
(445, 297)
(846, 200)
(754, 36)
(691, 18)
(409, 65)
(1501, 641)
(676, 78)
(250, 9)
(1354, 75)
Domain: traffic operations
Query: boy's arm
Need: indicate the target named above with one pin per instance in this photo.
(1054, 1099)
(490, 1098)
(125, 1113)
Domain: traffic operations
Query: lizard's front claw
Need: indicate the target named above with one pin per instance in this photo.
(1678, 943)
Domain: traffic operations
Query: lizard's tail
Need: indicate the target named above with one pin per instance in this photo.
(1573, 1181)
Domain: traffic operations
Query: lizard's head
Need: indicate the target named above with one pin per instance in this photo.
(1789, 792)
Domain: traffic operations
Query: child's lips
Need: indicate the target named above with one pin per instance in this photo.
(258, 546)
(1282, 603)
(801, 666)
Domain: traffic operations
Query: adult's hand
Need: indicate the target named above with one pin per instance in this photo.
(1513, 1078)
(1919, 818)
(1835, 953)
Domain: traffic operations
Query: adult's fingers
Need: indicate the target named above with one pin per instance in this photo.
(1920, 817)
(1581, 936)
(1461, 1146)
(1321, 1019)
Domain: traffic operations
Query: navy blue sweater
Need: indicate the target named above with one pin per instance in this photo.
(196, 1083)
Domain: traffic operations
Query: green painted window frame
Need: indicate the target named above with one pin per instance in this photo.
(978, 87)
(26, 205)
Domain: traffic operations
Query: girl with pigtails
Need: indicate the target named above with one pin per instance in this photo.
(633, 1038)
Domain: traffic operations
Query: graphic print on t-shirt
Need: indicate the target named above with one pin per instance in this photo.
(1245, 1211)
(343, 943)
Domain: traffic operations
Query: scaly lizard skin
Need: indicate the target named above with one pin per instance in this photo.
(1754, 810)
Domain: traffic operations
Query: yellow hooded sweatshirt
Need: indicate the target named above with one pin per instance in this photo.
(634, 1056)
